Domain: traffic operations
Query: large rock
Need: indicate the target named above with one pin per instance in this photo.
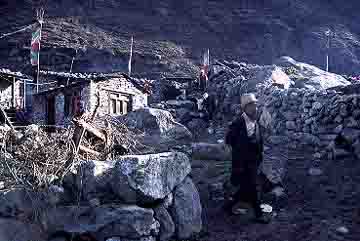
(136, 178)
(147, 178)
(311, 77)
(11, 229)
(197, 126)
(351, 135)
(131, 222)
(18, 202)
(186, 210)
(149, 238)
(160, 129)
(267, 75)
(167, 225)
(91, 178)
(165, 90)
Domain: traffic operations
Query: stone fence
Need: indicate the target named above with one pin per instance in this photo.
(322, 119)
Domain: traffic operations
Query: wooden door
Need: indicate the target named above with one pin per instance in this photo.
(51, 112)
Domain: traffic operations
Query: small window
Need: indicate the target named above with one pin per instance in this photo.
(118, 104)
(113, 106)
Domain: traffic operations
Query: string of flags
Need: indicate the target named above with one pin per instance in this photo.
(35, 40)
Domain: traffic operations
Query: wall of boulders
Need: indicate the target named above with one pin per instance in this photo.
(322, 119)
(135, 198)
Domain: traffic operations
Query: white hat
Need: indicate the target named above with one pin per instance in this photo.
(247, 99)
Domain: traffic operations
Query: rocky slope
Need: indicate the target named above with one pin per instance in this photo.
(254, 31)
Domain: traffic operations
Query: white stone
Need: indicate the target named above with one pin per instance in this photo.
(317, 105)
(278, 191)
(315, 172)
(342, 230)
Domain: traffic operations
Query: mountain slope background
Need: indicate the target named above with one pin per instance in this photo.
(170, 36)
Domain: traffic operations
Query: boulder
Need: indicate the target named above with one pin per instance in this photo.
(11, 229)
(187, 104)
(183, 115)
(124, 221)
(91, 178)
(136, 178)
(165, 90)
(167, 225)
(207, 151)
(273, 164)
(290, 125)
(149, 238)
(350, 135)
(16, 202)
(311, 77)
(197, 126)
(147, 178)
(160, 129)
(186, 210)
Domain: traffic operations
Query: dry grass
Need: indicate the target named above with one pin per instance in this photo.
(39, 159)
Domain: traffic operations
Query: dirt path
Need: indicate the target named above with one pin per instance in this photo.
(316, 206)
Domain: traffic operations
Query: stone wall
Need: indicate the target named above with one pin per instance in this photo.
(6, 94)
(88, 98)
(314, 118)
(115, 85)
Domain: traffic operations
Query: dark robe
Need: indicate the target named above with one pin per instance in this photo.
(247, 153)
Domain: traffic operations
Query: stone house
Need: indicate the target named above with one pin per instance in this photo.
(15, 90)
(56, 105)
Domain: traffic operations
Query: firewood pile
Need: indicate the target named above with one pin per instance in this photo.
(35, 159)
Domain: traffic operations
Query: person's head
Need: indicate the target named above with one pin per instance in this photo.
(249, 105)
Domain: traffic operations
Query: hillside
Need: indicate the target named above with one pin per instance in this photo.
(255, 31)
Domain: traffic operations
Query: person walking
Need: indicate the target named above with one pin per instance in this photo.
(245, 138)
(203, 80)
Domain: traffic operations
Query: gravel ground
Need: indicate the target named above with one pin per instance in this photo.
(315, 208)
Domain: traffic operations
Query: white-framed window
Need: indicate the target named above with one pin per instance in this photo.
(119, 104)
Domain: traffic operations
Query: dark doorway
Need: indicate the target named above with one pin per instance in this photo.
(51, 113)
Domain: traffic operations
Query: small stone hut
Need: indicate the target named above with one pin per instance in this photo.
(56, 105)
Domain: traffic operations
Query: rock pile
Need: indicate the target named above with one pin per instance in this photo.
(321, 119)
(136, 197)
(308, 106)
(229, 83)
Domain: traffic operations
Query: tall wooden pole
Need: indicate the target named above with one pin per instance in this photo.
(327, 33)
(13, 92)
(38, 66)
(24, 100)
(131, 52)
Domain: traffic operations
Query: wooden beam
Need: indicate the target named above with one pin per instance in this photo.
(92, 130)
(88, 150)
(13, 93)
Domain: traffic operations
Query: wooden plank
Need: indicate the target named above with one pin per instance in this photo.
(77, 137)
(92, 130)
(88, 150)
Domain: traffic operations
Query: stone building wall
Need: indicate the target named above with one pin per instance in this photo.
(6, 94)
(88, 98)
(115, 85)
(314, 118)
